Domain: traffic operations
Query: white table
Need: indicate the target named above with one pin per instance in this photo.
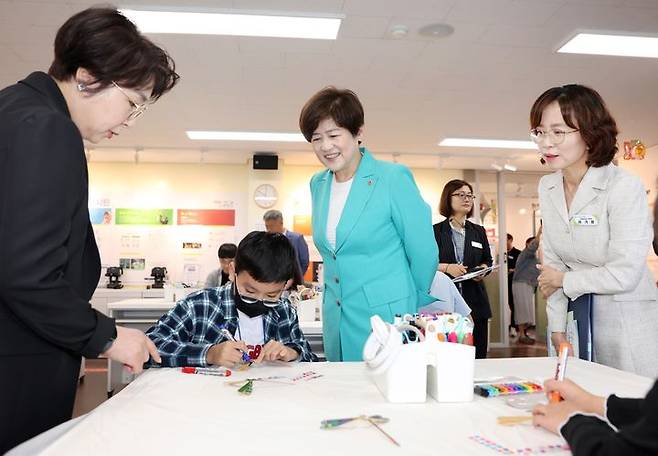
(167, 412)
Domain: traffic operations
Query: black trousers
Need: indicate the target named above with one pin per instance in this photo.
(510, 301)
(37, 393)
(480, 337)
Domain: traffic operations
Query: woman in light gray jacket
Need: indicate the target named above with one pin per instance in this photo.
(597, 230)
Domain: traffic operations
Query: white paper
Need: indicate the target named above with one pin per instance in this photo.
(471, 275)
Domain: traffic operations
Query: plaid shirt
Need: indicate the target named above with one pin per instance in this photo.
(185, 333)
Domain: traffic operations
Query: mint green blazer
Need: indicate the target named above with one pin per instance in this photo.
(385, 256)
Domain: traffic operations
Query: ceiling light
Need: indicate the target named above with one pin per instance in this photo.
(399, 31)
(323, 28)
(509, 167)
(436, 30)
(619, 45)
(245, 136)
(496, 166)
(488, 143)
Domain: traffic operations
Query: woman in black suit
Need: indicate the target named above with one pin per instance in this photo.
(104, 75)
(463, 246)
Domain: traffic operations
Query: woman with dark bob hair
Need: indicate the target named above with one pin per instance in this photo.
(370, 224)
(463, 246)
(597, 231)
(104, 75)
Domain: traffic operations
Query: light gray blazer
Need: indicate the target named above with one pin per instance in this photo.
(608, 258)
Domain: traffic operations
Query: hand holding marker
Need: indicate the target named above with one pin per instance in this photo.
(245, 356)
(560, 370)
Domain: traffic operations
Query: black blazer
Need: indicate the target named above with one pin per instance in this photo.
(636, 420)
(49, 261)
(473, 292)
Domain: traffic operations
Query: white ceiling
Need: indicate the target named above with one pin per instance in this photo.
(479, 82)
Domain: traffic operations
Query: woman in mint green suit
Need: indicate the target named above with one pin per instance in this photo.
(370, 224)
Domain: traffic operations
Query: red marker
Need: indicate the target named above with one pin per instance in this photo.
(219, 372)
(560, 370)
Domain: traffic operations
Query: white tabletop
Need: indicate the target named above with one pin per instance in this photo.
(142, 304)
(167, 412)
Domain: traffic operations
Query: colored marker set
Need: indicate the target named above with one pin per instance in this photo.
(506, 389)
(444, 327)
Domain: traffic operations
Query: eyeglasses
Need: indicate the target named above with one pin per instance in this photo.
(464, 196)
(138, 109)
(252, 300)
(556, 136)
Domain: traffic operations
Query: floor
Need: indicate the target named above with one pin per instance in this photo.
(92, 389)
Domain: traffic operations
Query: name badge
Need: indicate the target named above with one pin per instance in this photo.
(585, 220)
(476, 244)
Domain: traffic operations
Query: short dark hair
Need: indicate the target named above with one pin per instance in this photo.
(227, 250)
(341, 105)
(111, 48)
(445, 208)
(267, 257)
(582, 109)
(529, 240)
(510, 237)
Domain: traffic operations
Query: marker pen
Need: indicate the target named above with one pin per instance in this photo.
(560, 370)
(219, 372)
(245, 356)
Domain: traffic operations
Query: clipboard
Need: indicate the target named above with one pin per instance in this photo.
(471, 275)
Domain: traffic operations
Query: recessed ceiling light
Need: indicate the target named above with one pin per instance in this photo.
(509, 167)
(488, 143)
(618, 45)
(245, 136)
(398, 31)
(195, 23)
(436, 30)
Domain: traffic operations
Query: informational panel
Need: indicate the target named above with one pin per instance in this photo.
(182, 235)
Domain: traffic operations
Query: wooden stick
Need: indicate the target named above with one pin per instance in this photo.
(514, 420)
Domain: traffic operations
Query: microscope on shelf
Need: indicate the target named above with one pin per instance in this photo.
(158, 275)
(114, 272)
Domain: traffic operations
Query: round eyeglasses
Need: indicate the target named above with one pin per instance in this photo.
(464, 196)
(555, 135)
(138, 109)
(252, 300)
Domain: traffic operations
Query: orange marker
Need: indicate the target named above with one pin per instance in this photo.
(560, 370)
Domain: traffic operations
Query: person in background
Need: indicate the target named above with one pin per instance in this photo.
(219, 277)
(586, 421)
(370, 224)
(274, 224)
(523, 287)
(463, 246)
(597, 230)
(104, 75)
(252, 309)
(512, 255)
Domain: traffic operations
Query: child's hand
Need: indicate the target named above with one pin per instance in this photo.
(226, 354)
(274, 350)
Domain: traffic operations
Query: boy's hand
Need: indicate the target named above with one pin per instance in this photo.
(274, 350)
(226, 354)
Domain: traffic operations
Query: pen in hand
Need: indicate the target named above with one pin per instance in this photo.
(245, 356)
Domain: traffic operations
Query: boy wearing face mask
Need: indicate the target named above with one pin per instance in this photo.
(251, 309)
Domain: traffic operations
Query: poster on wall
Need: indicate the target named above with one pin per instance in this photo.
(100, 215)
(130, 216)
(212, 217)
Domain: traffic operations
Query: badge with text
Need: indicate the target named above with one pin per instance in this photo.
(585, 220)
